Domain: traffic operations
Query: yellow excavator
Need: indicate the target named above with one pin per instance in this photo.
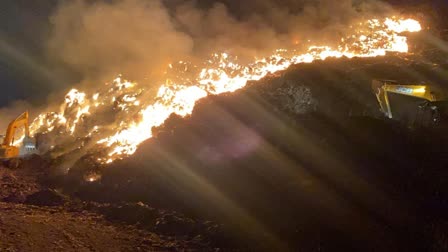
(7, 148)
(431, 108)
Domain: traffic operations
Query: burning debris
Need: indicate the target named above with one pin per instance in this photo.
(118, 116)
(246, 148)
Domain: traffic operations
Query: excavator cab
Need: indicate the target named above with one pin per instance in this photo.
(424, 105)
(28, 146)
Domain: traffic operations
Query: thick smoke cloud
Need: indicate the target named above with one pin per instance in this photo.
(269, 24)
(139, 38)
(84, 40)
(103, 38)
(263, 26)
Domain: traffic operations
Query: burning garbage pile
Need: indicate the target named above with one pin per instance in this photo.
(256, 161)
(284, 166)
(111, 120)
(260, 147)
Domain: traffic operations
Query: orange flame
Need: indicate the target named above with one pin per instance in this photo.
(222, 73)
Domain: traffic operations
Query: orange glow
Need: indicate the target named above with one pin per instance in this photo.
(219, 74)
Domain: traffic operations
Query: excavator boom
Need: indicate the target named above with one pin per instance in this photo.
(20, 121)
(383, 88)
(7, 149)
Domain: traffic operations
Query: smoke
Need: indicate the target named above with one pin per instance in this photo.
(138, 38)
(263, 26)
(132, 37)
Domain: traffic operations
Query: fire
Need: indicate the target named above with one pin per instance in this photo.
(137, 112)
(92, 177)
(400, 26)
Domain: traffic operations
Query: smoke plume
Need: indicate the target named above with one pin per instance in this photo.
(139, 38)
(132, 36)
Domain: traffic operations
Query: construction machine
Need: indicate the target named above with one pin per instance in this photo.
(432, 105)
(7, 148)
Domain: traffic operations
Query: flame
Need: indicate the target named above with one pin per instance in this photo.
(400, 26)
(136, 112)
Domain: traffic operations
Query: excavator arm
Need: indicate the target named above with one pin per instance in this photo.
(383, 88)
(7, 148)
(20, 121)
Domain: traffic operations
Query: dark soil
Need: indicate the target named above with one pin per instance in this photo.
(36, 218)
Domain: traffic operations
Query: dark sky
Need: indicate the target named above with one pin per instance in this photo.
(23, 28)
(25, 72)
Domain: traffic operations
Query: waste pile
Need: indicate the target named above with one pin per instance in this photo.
(300, 159)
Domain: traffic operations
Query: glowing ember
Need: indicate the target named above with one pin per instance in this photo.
(92, 177)
(136, 114)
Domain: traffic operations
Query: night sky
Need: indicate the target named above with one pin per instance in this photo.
(25, 72)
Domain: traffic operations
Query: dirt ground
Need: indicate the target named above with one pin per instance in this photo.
(31, 228)
(27, 224)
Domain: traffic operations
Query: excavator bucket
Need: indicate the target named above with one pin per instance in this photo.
(382, 97)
